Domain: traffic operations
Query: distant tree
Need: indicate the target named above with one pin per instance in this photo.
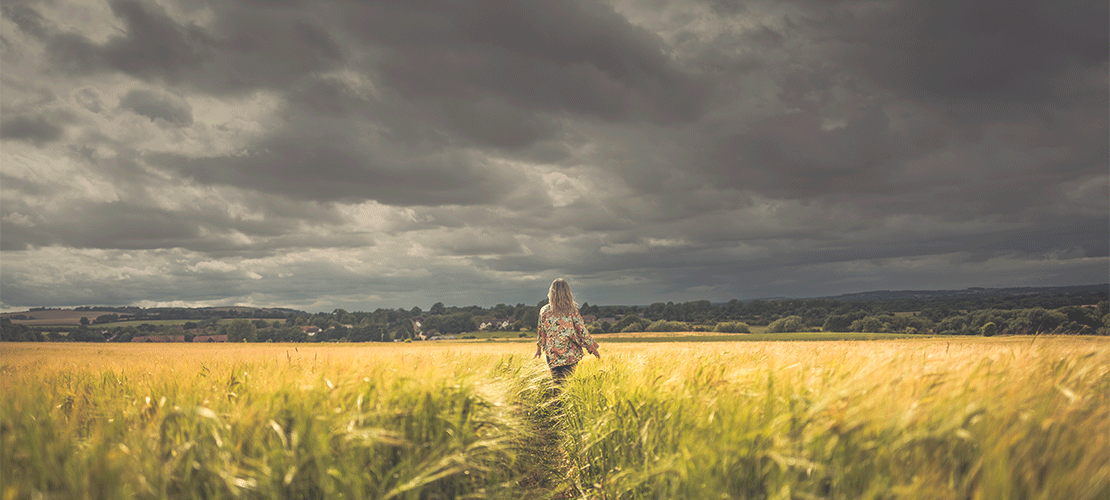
(531, 318)
(631, 323)
(106, 318)
(1086, 316)
(672, 312)
(666, 326)
(870, 324)
(125, 334)
(910, 324)
(953, 325)
(757, 307)
(84, 321)
(989, 329)
(402, 329)
(786, 325)
(1036, 320)
(637, 326)
(361, 333)
(289, 334)
(13, 332)
(430, 323)
(458, 323)
(732, 327)
(84, 334)
(841, 322)
(241, 330)
(437, 309)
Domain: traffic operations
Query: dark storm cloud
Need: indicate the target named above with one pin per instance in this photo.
(727, 7)
(487, 82)
(34, 129)
(579, 57)
(494, 122)
(134, 226)
(438, 123)
(105, 225)
(327, 143)
(679, 268)
(246, 49)
(791, 156)
(1013, 53)
(153, 46)
(157, 106)
(23, 186)
(331, 171)
(26, 18)
(940, 108)
(477, 243)
(552, 56)
(176, 285)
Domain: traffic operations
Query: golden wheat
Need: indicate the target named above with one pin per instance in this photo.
(972, 418)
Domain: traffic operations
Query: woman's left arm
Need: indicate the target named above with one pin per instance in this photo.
(585, 340)
(541, 335)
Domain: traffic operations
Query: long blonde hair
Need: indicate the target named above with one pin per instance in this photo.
(562, 301)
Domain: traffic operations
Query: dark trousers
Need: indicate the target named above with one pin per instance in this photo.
(559, 373)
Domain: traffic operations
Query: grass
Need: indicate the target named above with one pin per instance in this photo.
(922, 418)
(970, 419)
(259, 422)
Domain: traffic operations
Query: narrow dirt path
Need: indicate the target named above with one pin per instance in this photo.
(549, 468)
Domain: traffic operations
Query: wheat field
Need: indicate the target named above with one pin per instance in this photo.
(1018, 418)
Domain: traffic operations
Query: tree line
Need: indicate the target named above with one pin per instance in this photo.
(1072, 310)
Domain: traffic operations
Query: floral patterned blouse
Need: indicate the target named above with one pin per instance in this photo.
(563, 337)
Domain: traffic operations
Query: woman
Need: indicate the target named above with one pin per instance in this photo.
(562, 333)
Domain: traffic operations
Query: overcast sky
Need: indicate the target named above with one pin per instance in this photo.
(357, 155)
